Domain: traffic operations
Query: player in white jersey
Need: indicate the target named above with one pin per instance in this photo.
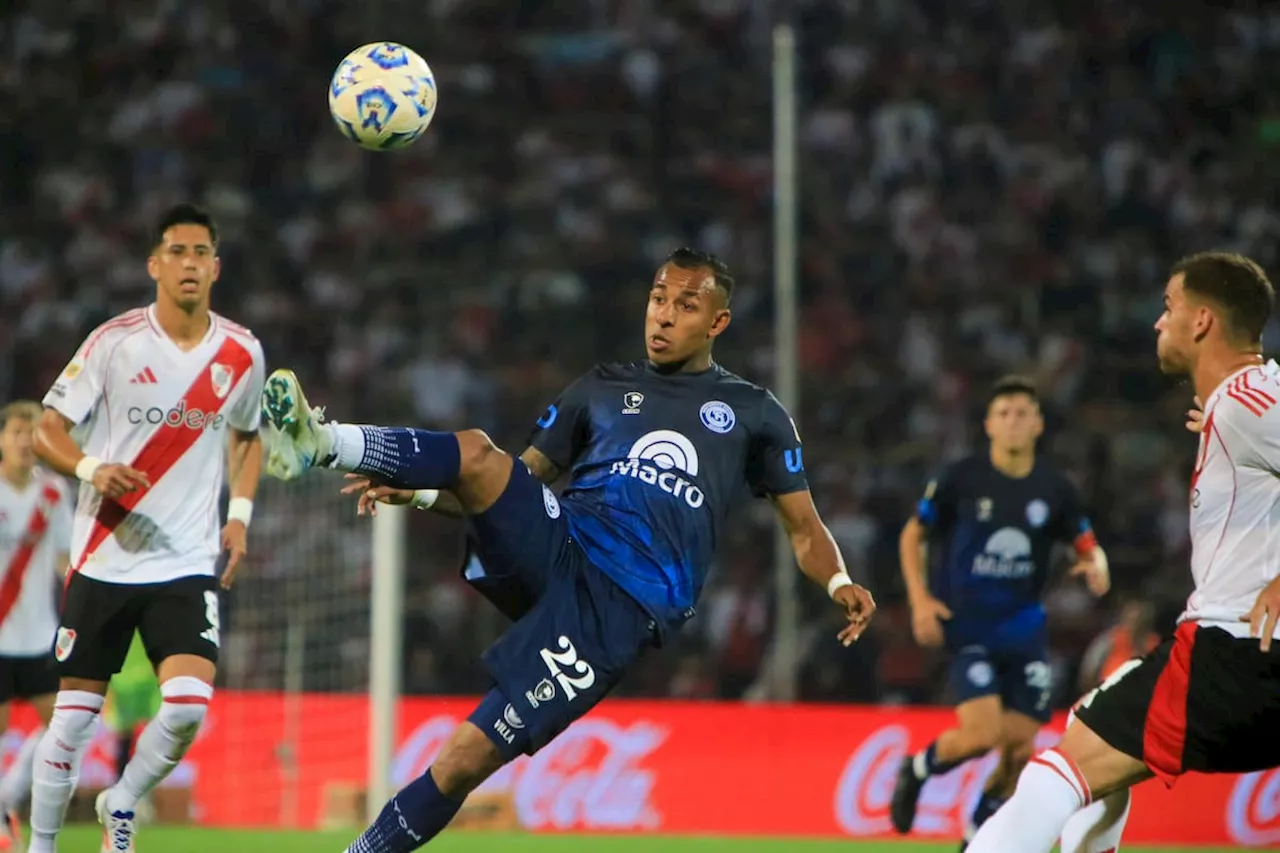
(165, 397)
(35, 527)
(1208, 698)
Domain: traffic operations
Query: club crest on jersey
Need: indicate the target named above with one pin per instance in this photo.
(221, 375)
(1037, 513)
(631, 402)
(64, 644)
(984, 509)
(72, 371)
(551, 503)
(717, 416)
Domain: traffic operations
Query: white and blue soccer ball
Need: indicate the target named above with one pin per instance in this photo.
(382, 96)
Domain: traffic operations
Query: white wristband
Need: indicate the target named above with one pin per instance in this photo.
(240, 509)
(87, 467)
(424, 498)
(838, 580)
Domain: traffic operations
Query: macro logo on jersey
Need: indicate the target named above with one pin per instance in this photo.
(659, 458)
(717, 416)
(1007, 554)
(178, 416)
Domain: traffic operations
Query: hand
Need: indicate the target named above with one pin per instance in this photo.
(1195, 417)
(927, 616)
(116, 481)
(1096, 578)
(1262, 618)
(234, 538)
(372, 494)
(858, 607)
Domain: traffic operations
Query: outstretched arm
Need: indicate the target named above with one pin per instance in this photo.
(819, 558)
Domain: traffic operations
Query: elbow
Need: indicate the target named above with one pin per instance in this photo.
(51, 424)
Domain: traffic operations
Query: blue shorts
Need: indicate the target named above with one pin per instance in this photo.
(1022, 679)
(576, 632)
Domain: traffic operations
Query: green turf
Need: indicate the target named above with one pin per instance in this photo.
(79, 839)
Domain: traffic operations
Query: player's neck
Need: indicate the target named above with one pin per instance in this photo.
(185, 328)
(1213, 371)
(1011, 464)
(17, 477)
(694, 364)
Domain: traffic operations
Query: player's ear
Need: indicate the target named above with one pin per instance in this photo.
(1202, 322)
(217, 268)
(153, 266)
(719, 323)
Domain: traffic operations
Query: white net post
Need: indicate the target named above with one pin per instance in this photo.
(786, 379)
(386, 615)
(296, 634)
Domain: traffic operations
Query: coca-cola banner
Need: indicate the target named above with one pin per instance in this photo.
(673, 767)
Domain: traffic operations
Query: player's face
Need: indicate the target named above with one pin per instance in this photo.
(1014, 422)
(686, 313)
(185, 265)
(17, 443)
(1178, 329)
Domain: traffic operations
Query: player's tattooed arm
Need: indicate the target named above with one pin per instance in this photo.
(819, 558)
(540, 466)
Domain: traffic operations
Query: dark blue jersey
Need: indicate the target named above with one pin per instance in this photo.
(657, 460)
(991, 538)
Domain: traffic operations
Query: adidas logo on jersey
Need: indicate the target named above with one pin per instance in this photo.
(146, 377)
(659, 458)
(178, 416)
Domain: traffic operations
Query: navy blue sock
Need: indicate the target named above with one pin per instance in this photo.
(410, 458)
(988, 804)
(412, 818)
(928, 764)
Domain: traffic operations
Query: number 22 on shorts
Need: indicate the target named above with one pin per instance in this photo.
(567, 659)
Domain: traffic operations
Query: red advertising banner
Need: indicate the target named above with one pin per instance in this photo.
(673, 767)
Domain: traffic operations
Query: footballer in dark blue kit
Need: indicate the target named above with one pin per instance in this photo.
(991, 522)
(656, 452)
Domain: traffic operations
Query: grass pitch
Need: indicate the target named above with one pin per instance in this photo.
(156, 839)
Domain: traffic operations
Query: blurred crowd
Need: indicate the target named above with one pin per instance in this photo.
(985, 185)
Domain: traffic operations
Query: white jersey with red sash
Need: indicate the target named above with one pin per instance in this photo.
(35, 533)
(141, 401)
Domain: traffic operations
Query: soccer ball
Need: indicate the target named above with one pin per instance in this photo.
(382, 96)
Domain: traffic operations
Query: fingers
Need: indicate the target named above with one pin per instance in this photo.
(944, 612)
(229, 573)
(368, 503)
(850, 633)
(233, 542)
(1269, 627)
(135, 478)
(1196, 400)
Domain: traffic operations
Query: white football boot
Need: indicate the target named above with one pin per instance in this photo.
(118, 828)
(295, 440)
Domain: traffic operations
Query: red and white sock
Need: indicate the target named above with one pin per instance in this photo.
(1097, 827)
(15, 787)
(56, 766)
(160, 747)
(1050, 790)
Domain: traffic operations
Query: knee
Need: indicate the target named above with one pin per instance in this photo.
(466, 761)
(75, 717)
(476, 452)
(184, 703)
